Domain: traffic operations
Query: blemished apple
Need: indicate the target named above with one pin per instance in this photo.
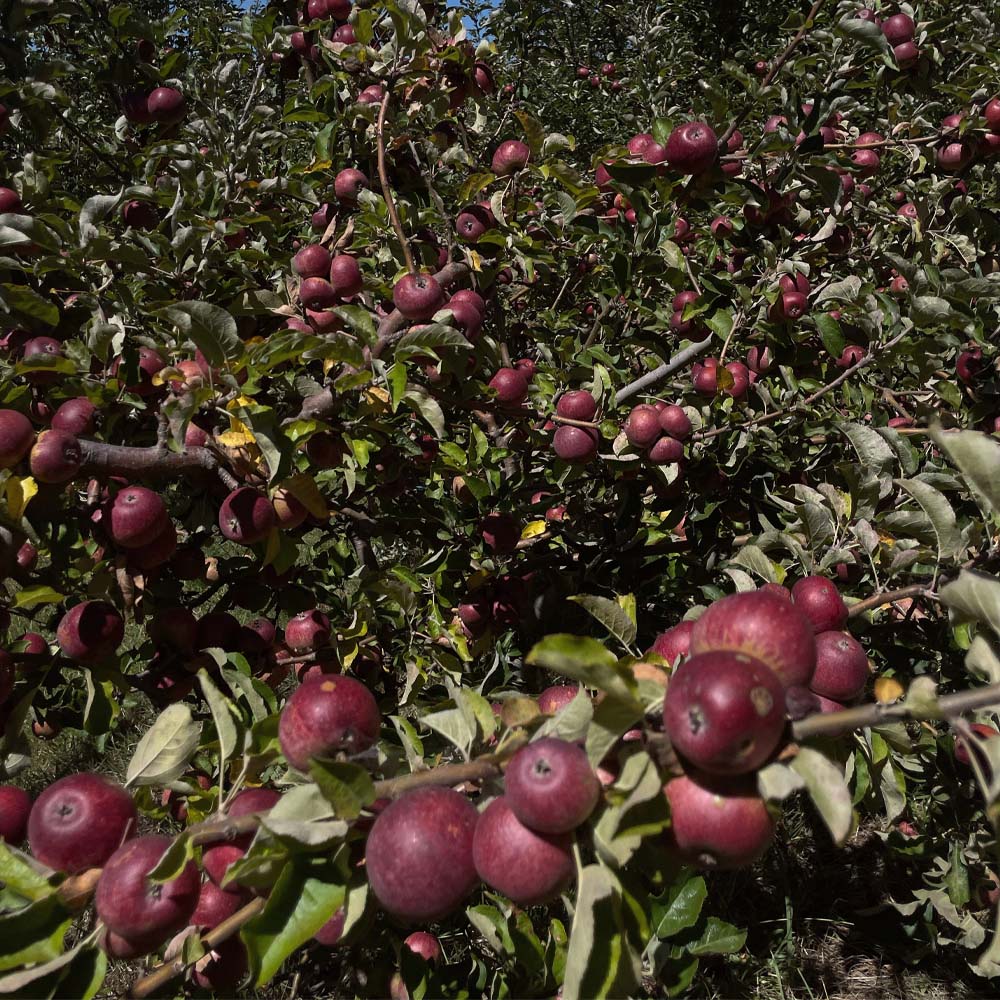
(818, 599)
(674, 643)
(720, 824)
(526, 866)
(132, 905)
(90, 632)
(725, 712)
(325, 716)
(553, 699)
(79, 821)
(764, 626)
(246, 516)
(418, 855)
(550, 785)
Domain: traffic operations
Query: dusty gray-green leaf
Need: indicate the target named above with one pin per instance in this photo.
(33, 933)
(974, 597)
(872, 448)
(778, 781)
(211, 328)
(223, 715)
(610, 614)
(828, 790)
(977, 456)
(165, 750)
(427, 407)
(982, 659)
(940, 513)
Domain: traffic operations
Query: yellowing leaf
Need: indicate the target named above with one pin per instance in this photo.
(533, 528)
(475, 261)
(273, 546)
(168, 374)
(237, 435)
(376, 399)
(888, 690)
(303, 487)
(17, 492)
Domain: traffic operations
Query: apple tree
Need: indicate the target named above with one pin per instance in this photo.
(466, 529)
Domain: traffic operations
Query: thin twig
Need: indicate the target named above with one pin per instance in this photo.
(383, 177)
(679, 360)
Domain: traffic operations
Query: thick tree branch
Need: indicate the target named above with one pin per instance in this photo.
(151, 463)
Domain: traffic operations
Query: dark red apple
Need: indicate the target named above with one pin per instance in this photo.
(510, 156)
(500, 533)
(725, 712)
(246, 516)
(348, 184)
(216, 905)
(307, 630)
(166, 105)
(722, 824)
(841, 667)
(906, 54)
(15, 808)
(56, 457)
(16, 437)
(312, 261)
(132, 905)
(764, 626)
(418, 296)
(75, 416)
(332, 931)
(79, 821)
(674, 421)
(550, 785)
(557, 697)
(134, 517)
(674, 643)
(345, 276)
(577, 445)
(898, 28)
(642, 426)
(577, 405)
(527, 867)
(325, 716)
(90, 632)
(419, 854)
(510, 385)
(818, 599)
(969, 365)
(692, 148)
(176, 627)
(10, 201)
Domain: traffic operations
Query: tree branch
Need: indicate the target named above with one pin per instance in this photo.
(659, 374)
(888, 597)
(383, 177)
(151, 463)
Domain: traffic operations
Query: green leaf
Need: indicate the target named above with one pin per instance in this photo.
(680, 906)
(718, 938)
(223, 715)
(872, 448)
(610, 614)
(211, 328)
(828, 790)
(641, 813)
(978, 459)
(586, 660)
(925, 309)
(308, 892)
(165, 750)
(427, 406)
(31, 597)
(347, 787)
(33, 933)
(940, 513)
(175, 857)
(974, 597)
(28, 303)
(84, 977)
(16, 982)
(304, 816)
(611, 718)
(17, 875)
(601, 960)
(831, 334)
